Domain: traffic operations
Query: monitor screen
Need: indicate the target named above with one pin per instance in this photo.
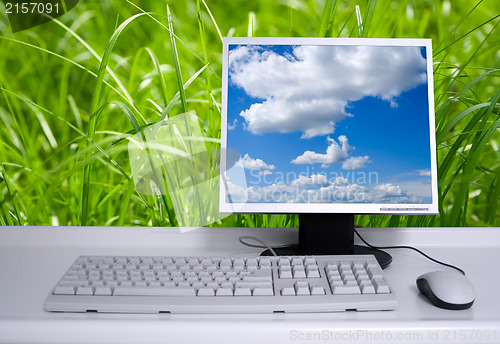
(328, 125)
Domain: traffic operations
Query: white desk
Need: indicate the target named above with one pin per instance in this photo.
(33, 259)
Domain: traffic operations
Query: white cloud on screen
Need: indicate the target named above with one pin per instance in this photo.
(335, 153)
(254, 164)
(355, 162)
(317, 189)
(232, 126)
(426, 173)
(309, 91)
(388, 190)
(314, 180)
(419, 188)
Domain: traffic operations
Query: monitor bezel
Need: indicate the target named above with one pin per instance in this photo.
(354, 208)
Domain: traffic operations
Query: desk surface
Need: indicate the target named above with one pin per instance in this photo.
(32, 259)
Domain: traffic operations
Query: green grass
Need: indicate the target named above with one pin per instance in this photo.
(75, 91)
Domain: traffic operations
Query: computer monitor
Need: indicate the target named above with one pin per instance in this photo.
(327, 128)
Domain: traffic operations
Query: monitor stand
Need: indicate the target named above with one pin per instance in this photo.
(329, 234)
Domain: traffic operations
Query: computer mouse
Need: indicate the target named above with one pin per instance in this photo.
(446, 289)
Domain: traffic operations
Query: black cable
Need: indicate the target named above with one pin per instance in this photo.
(242, 239)
(410, 248)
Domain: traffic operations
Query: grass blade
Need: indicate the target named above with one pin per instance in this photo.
(359, 20)
(176, 62)
(11, 194)
(449, 126)
(213, 19)
(327, 17)
(251, 24)
(174, 100)
(203, 41)
(160, 75)
(368, 17)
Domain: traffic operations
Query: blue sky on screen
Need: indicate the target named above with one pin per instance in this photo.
(330, 123)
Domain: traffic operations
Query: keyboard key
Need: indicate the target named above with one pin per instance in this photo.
(302, 288)
(336, 282)
(193, 261)
(285, 272)
(252, 278)
(264, 262)
(251, 262)
(197, 285)
(206, 279)
(206, 262)
(149, 291)
(316, 290)
(381, 286)
(299, 272)
(331, 267)
(367, 289)
(263, 291)
(345, 266)
(220, 279)
(212, 285)
(64, 290)
(224, 292)
(243, 284)
(312, 272)
(350, 282)
(374, 274)
(288, 291)
(259, 275)
(226, 262)
(227, 285)
(240, 291)
(345, 290)
(111, 284)
(362, 276)
(238, 262)
(283, 261)
(357, 265)
(206, 291)
(84, 291)
(234, 279)
(102, 291)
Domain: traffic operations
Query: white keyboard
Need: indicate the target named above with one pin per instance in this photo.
(222, 285)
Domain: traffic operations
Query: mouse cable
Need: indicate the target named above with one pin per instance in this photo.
(409, 248)
(264, 245)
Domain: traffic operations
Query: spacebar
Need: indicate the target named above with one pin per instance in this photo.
(148, 291)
